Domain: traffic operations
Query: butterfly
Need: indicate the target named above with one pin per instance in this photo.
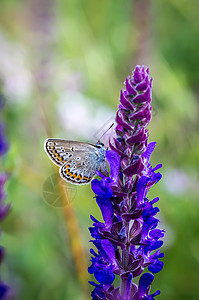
(77, 161)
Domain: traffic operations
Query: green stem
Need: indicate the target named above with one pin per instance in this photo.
(123, 286)
(125, 259)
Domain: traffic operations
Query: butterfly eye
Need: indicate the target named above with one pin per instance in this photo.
(99, 145)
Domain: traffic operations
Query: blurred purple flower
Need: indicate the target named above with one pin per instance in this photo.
(3, 141)
(129, 233)
(4, 291)
(4, 208)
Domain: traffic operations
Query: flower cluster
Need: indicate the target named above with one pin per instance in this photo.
(4, 208)
(129, 233)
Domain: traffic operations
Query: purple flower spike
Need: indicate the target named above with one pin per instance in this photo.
(129, 233)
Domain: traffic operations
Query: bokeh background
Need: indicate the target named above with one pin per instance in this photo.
(62, 65)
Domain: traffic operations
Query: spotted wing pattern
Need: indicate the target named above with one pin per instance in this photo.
(58, 151)
(80, 173)
(77, 161)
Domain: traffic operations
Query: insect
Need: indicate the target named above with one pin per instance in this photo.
(78, 161)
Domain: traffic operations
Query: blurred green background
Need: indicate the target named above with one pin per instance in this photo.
(62, 65)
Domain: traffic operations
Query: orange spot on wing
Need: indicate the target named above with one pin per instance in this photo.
(88, 179)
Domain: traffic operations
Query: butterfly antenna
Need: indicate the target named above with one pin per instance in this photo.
(105, 132)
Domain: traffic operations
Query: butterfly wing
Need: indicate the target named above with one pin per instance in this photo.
(79, 172)
(60, 151)
(77, 161)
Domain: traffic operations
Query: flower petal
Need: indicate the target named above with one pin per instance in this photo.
(101, 188)
(145, 281)
(106, 208)
(114, 162)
